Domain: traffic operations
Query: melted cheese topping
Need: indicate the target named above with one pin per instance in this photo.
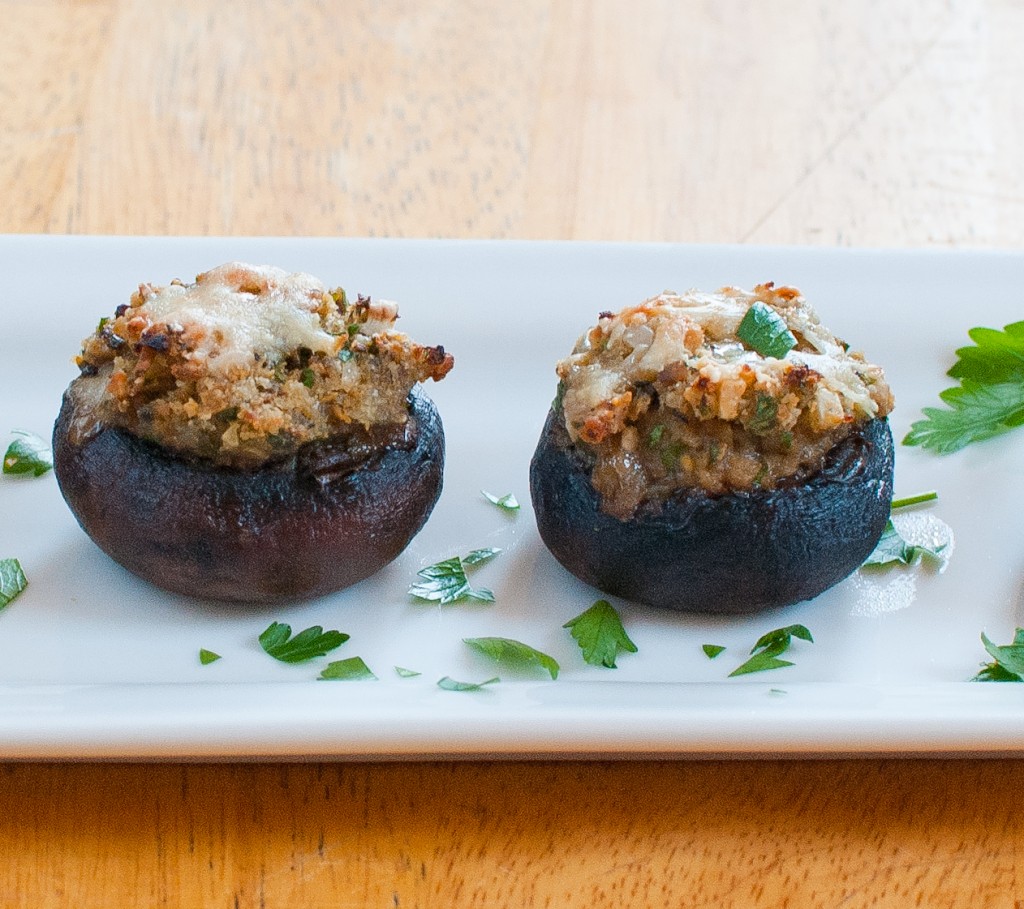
(249, 363)
(664, 395)
(237, 312)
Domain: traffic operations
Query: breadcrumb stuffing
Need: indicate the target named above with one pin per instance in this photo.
(248, 363)
(665, 396)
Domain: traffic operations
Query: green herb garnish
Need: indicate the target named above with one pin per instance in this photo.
(28, 453)
(207, 656)
(450, 684)
(766, 415)
(769, 647)
(514, 653)
(507, 501)
(351, 670)
(308, 377)
(446, 582)
(892, 548)
(919, 499)
(764, 330)
(654, 438)
(479, 556)
(1008, 665)
(314, 642)
(600, 635)
(711, 650)
(12, 580)
(407, 673)
(989, 399)
(670, 455)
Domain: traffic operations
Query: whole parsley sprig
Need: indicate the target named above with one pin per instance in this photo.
(989, 400)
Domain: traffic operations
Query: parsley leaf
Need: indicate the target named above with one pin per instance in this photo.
(711, 650)
(207, 656)
(314, 642)
(769, 647)
(599, 632)
(351, 670)
(479, 556)
(996, 356)
(892, 548)
(764, 330)
(450, 684)
(508, 502)
(446, 582)
(989, 399)
(1008, 665)
(28, 453)
(12, 580)
(515, 653)
(976, 412)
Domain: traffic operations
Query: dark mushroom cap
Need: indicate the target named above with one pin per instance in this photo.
(739, 552)
(320, 522)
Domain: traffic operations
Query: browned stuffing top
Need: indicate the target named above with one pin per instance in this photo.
(247, 364)
(665, 396)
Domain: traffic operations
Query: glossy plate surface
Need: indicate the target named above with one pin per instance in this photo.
(96, 664)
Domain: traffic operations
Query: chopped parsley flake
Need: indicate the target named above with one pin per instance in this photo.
(712, 650)
(446, 582)
(314, 642)
(479, 556)
(600, 635)
(762, 329)
(208, 656)
(12, 581)
(514, 653)
(508, 502)
(892, 548)
(450, 684)
(28, 453)
(407, 673)
(769, 647)
(351, 670)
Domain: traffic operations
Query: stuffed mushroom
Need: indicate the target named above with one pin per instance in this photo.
(715, 453)
(251, 436)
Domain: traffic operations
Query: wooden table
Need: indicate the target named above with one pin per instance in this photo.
(808, 122)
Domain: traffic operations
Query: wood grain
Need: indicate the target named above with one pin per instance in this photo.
(744, 834)
(865, 123)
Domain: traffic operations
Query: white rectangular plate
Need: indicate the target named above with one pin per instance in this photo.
(97, 664)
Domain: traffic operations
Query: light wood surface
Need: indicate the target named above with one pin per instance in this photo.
(805, 121)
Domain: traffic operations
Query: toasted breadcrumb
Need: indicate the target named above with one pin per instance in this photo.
(249, 363)
(665, 396)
